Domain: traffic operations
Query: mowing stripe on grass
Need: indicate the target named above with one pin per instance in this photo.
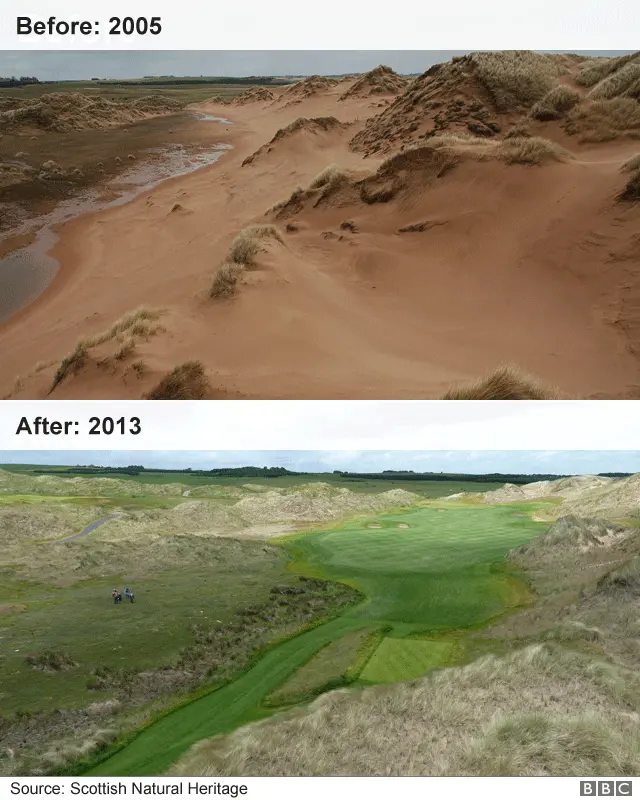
(436, 574)
(404, 659)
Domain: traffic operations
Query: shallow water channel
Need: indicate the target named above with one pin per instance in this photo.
(26, 272)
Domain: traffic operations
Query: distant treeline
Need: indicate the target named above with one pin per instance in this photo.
(224, 472)
(8, 83)
(279, 472)
(251, 81)
(490, 477)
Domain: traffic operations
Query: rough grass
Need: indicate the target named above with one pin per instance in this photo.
(506, 383)
(622, 83)
(555, 103)
(337, 663)
(597, 69)
(157, 648)
(187, 381)
(605, 120)
(246, 245)
(631, 165)
(539, 711)
(70, 365)
(515, 148)
(138, 324)
(456, 140)
(631, 192)
(517, 78)
(330, 176)
(225, 281)
(532, 150)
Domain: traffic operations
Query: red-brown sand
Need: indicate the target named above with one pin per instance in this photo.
(536, 266)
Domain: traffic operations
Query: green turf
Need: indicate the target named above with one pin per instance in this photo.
(183, 93)
(435, 575)
(404, 659)
(331, 666)
(82, 621)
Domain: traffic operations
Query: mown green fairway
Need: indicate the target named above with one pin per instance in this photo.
(426, 571)
(430, 569)
(404, 659)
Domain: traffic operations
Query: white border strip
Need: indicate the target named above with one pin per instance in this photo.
(321, 425)
(564, 25)
(343, 788)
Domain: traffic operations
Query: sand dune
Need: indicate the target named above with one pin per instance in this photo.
(416, 263)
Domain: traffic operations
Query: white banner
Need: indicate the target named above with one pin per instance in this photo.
(320, 425)
(564, 25)
(320, 788)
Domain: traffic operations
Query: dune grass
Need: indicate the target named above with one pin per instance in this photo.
(604, 120)
(533, 150)
(631, 192)
(138, 324)
(631, 165)
(460, 138)
(187, 381)
(506, 383)
(555, 103)
(621, 83)
(70, 365)
(516, 148)
(517, 78)
(246, 245)
(557, 714)
(329, 176)
(596, 69)
(225, 281)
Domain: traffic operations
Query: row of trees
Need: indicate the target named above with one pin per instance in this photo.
(23, 80)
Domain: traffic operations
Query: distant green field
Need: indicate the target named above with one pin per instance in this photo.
(426, 488)
(435, 574)
(183, 93)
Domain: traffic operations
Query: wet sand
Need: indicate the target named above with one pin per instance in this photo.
(26, 271)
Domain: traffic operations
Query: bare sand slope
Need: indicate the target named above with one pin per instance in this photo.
(532, 265)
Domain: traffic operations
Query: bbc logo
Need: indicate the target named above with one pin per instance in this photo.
(605, 789)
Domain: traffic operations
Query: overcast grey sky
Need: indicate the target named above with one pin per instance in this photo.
(83, 65)
(473, 461)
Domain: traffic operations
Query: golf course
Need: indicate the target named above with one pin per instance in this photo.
(428, 575)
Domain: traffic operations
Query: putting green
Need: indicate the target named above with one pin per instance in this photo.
(404, 659)
(436, 574)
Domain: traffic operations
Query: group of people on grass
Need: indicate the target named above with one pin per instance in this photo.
(116, 595)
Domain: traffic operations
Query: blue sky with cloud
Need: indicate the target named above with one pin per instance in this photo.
(470, 461)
